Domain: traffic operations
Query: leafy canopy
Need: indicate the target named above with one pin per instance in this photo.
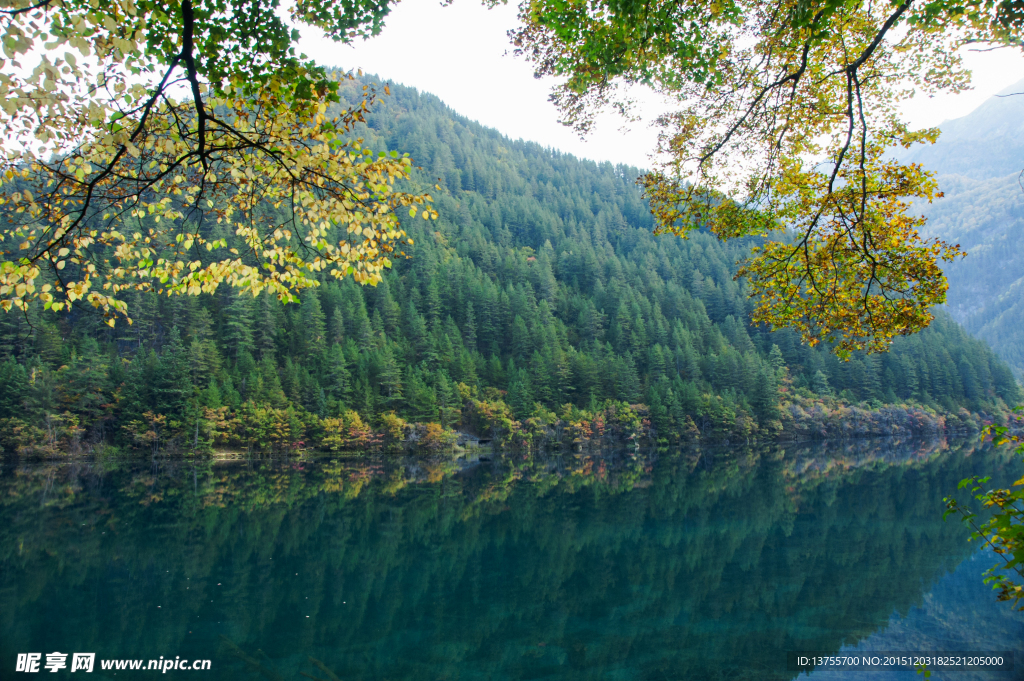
(784, 112)
(139, 134)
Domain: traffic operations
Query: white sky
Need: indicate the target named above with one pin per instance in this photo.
(459, 54)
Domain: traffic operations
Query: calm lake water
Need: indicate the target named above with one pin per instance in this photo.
(671, 565)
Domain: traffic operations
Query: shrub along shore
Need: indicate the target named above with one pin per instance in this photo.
(489, 421)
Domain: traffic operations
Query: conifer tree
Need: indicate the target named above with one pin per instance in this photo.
(776, 361)
(522, 343)
(628, 382)
(314, 327)
(420, 397)
(819, 383)
(337, 385)
(268, 325)
(173, 383)
(469, 328)
(520, 396)
(13, 382)
(389, 377)
(238, 338)
(83, 384)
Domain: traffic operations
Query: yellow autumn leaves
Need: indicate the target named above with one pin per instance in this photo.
(114, 180)
(785, 117)
(794, 144)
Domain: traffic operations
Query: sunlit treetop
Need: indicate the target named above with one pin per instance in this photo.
(175, 146)
(785, 115)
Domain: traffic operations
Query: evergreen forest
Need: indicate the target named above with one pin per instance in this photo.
(538, 309)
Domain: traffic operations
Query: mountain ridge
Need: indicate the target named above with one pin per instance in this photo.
(978, 160)
(539, 308)
(965, 145)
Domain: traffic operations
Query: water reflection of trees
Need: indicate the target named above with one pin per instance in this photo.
(694, 564)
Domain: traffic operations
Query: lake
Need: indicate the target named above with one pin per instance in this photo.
(675, 564)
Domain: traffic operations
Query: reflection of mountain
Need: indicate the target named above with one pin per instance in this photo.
(947, 619)
(689, 566)
(979, 159)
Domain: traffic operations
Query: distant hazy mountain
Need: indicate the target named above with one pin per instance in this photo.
(979, 159)
(985, 144)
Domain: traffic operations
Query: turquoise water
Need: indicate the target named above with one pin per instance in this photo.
(665, 565)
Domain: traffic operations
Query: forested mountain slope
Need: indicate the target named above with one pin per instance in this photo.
(978, 159)
(539, 307)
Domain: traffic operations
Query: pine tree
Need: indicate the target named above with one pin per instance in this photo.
(136, 390)
(765, 399)
(13, 382)
(200, 322)
(522, 343)
(336, 329)
(173, 380)
(660, 418)
(448, 401)
(269, 315)
(819, 383)
(433, 301)
(870, 378)
(776, 361)
(389, 377)
(291, 382)
(469, 328)
(269, 387)
(230, 397)
(628, 383)
(391, 313)
(416, 329)
(238, 338)
(83, 385)
(314, 327)
(49, 346)
(338, 380)
(204, 361)
(520, 397)
(361, 329)
(420, 397)
(656, 363)
(145, 319)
